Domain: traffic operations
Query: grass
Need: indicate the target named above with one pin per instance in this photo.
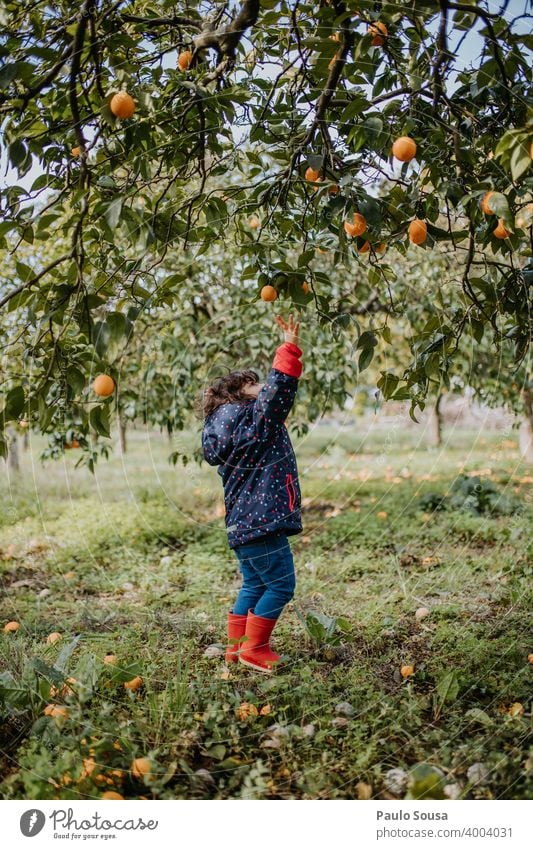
(134, 561)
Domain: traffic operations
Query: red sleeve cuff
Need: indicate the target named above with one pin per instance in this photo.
(287, 359)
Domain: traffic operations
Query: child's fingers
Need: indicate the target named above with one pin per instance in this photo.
(281, 322)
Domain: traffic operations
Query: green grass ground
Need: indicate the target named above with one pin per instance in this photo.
(134, 561)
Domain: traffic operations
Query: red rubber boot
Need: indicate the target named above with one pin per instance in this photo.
(256, 652)
(236, 629)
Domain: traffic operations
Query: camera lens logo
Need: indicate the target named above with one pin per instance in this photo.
(32, 822)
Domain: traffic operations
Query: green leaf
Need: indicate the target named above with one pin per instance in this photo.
(24, 271)
(66, 653)
(75, 378)
(387, 384)
(14, 404)
(365, 358)
(520, 162)
(447, 688)
(112, 213)
(99, 420)
(17, 153)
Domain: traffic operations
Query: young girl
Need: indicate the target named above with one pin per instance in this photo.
(245, 436)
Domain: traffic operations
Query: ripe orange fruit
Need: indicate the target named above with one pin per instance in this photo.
(110, 658)
(484, 203)
(122, 105)
(379, 249)
(358, 227)
(134, 684)
(311, 175)
(140, 767)
(322, 251)
(184, 60)
(365, 247)
(111, 794)
(104, 385)
(53, 637)
(305, 287)
(382, 514)
(76, 151)
(380, 33)
(59, 710)
(11, 627)
(404, 148)
(268, 293)
(245, 710)
(406, 670)
(418, 231)
(254, 222)
(516, 709)
(499, 231)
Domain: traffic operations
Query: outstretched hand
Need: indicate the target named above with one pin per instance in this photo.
(290, 329)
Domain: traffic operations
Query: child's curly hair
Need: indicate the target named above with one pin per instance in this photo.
(226, 390)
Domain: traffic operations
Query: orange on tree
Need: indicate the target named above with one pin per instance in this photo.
(484, 203)
(311, 175)
(76, 151)
(404, 148)
(104, 385)
(122, 105)
(379, 249)
(499, 231)
(112, 794)
(184, 60)
(11, 627)
(356, 227)
(379, 32)
(365, 247)
(268, 293)
(254, 222)
(305, 287)
(417, 231)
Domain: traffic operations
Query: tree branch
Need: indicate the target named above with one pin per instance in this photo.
(33, 280)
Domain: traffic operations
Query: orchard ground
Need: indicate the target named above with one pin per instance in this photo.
(134, 562)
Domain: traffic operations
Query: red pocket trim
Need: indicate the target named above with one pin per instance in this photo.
(289, 486)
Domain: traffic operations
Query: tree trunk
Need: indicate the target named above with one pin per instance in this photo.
(122, 444)
(525, 433)
(12, 451)
(434, 425)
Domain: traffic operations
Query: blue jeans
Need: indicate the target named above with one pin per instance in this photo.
(268, 576)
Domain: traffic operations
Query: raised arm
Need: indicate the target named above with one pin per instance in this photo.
(276, 398)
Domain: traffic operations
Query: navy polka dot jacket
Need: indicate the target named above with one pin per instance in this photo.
(250, 444)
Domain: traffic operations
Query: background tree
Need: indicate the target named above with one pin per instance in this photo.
(138, 131)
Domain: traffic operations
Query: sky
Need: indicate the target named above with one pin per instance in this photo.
(469, 51)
